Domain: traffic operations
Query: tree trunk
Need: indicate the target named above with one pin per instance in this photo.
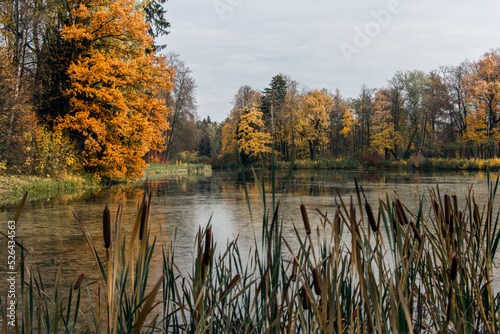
(19, 75)
(311, 150)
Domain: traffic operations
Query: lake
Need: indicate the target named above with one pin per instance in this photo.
(180, 206)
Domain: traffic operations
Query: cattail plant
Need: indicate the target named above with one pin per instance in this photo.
(317, 282)
(407, 282)
(305, 298)
(208, 245)
(371, 218)
(106, 227)
(454, 268)
(305, 218)
(144, 216)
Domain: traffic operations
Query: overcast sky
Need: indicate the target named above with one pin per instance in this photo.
(322, 43)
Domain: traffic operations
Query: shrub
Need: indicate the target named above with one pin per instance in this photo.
(186, 157)
(54, 154)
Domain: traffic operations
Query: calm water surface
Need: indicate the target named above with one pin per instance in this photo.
(183, 205)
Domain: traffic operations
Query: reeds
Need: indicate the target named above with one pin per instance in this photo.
(427, 270)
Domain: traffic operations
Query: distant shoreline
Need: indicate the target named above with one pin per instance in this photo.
(419, 163)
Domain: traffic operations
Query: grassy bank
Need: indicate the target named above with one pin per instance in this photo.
(364, 268)
(414, 163)
(154, 170)
(15, 186)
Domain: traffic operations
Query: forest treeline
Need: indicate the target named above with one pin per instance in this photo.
(86, 89)
(451, 112)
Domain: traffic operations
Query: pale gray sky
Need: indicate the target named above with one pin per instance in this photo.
(322, 43)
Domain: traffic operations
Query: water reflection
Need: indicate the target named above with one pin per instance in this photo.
(181, 205)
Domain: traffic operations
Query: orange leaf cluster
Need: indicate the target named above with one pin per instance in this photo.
(115, 113)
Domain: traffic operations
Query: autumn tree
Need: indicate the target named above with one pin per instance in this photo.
(228, 135)
(485, 90)
(386, 136)
(245, 98)
(115, 115)
(349, 124)
(251, 135)
(315, 116)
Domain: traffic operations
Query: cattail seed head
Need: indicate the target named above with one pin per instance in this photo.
(316, 281)
(454, 268)
(336, 223)
(451, 228)
(208, 246)
(305, 298)
(305, 218)
(144, 217)
(106, 227)
(437, 211)
(371, 218)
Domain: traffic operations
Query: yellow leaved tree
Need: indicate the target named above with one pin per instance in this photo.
(349, 123)
(315, 119)
(251, 136)
(114, 112)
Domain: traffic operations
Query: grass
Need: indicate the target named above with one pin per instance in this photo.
(372, 163)
(14, 186)
(174, 170)
(368, 267)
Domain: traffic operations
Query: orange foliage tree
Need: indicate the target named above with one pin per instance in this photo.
(485, 88)
(115, 114)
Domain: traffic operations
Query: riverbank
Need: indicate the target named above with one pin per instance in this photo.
(16, 185)
(414, 163)
(160, 170)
